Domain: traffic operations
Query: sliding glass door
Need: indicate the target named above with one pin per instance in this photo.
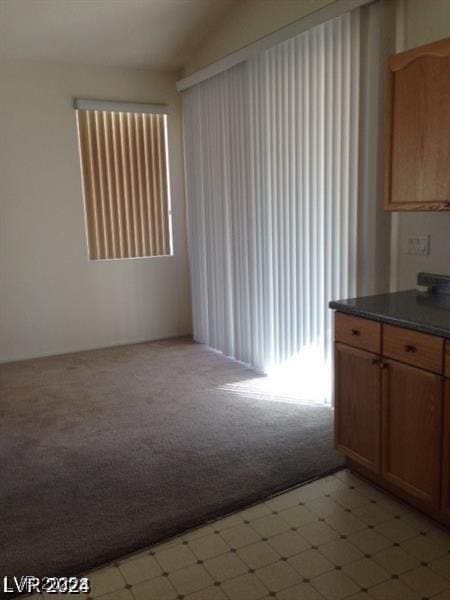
(271, 150)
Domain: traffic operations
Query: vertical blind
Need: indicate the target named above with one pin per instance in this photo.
(271, 150)
(125, 182)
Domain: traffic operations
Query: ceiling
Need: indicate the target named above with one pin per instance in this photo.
(159, 34)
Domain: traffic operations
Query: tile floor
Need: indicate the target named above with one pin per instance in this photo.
(335, 538)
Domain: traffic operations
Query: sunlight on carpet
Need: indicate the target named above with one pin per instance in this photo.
(303, 379)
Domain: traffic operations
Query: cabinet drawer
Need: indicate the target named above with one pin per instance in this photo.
(361, 333)
(413, 348)
(447, 358)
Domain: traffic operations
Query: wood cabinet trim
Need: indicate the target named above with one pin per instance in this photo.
(414, 206)
(439, 49)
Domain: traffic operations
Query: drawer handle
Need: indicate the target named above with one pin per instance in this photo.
(356, 332)
(410, 348)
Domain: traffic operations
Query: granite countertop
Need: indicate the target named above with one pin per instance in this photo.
(423, 311)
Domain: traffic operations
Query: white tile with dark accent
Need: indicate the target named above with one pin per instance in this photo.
(139, 569)
(158, 588)
(209, 546)
(310, 564)
(333, 539)
(259, 554)
(289, 543)
(176, 557)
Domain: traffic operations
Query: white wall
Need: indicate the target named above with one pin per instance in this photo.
(424, 21)
(248, 21)
(52, 299)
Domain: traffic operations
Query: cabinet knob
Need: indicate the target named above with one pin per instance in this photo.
(410, 348)
(355, 332)
(379, 362)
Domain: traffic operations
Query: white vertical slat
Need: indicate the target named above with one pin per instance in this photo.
(354, 148)
(271, 171)
(337, 68)
(253, 218)
(308, 149)
(293, 212)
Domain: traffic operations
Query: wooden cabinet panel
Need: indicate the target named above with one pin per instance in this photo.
(446, 453)
(412, 347)
(361, 333)
(358, 405)
(447, 358)
(412, 425)
(418, 129)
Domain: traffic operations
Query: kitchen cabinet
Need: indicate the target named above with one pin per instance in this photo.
(417, 152)
(392, 418)
(357, 417)
(446, 453)
(412, 418)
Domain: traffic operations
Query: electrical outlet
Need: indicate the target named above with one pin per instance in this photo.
(418, 245)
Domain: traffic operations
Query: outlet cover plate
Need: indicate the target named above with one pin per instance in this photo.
(418, 244)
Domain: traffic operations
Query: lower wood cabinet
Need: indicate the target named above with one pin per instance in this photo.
(392, 411)
(446, 453)
(412, 424)
(357, 417)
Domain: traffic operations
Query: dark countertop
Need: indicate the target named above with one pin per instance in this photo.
(423, 311)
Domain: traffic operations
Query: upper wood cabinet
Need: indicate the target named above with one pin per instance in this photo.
(417, 169)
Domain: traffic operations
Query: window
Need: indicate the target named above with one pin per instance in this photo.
(124, 167)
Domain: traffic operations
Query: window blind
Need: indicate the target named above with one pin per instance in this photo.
(272, 163)
(125, 182)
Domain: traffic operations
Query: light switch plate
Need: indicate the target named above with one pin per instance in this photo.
(419, 244)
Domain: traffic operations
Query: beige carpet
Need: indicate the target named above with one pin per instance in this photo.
(106, 452)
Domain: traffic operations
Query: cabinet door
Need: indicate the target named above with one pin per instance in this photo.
(358, 405)
(446, 453)
(412, 423)
(418, 130)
